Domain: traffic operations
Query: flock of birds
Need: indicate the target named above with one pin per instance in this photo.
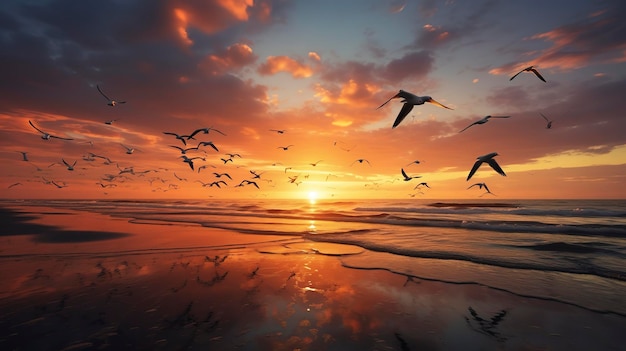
(192, 155)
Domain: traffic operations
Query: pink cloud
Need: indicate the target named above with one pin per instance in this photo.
(276, 64)
(233, 57)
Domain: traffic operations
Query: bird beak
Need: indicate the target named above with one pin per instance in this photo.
(432, 101)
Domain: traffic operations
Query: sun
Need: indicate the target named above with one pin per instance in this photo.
(313, 196)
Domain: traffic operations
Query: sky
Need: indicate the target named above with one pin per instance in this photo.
(291, 90)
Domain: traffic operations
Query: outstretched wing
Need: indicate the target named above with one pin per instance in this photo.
(467, 127)
(406, 108)
(544, 117)
(54, 136)
(391, 98)
(496, 166)
(39, 130)
(103, 94)
(473, 170)
(538, 75)
(516, 74)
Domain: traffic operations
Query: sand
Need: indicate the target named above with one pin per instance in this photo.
(76, 280)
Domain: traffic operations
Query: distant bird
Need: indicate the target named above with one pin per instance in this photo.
(480, 186)
(226, 160)
(182, 138)
(183, 151)
(204, 166)
(217, 184)
(209, 143)
(58, 185)
(69, 167)
(180, 178)
(279, 131)
(111, 101)
(24, 155)
(416, 162)
(47, 136)
(255, 174)
(245, 181)
(14, 184)
(205, 131)
(421, 185)
(410, 100)
(292, 179)
(361, 160)
(110, 122)
(483, 121)
(129, 150)
(233, 155)
(489, 158)
(529, 69)
(315, 163)
(406, 177)
(549, 125)
(285, 147)
(189, 161)
(219, 175)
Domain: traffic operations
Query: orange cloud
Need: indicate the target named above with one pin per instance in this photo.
(235, 56)
(276, 64)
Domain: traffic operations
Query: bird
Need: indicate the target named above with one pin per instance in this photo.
(190, 160)
(361, 160)
(14, 184)
(110, 122)
(226, 160)
(58, 185)
(209, 143)
(483, 121)
(205, 131)
(129, 150)
(529, 69)
(180, 178)
(69, 167)
(255, 174)
(549, 125)
(410, 100)
(249, 182)
(406, 177)
(24, 155)
(183, 151)
(315, 163)
(219, 175)
(480, 186)
(489, 158)
(420, 185)
(46, 136)
(417, 162)
(279, 131)
(217, 184)
(182, 138)
(233, 155)
(285, 147)
(111, 101)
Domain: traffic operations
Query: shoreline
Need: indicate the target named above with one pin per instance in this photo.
(163, 287)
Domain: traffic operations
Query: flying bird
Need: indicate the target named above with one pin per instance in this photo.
(129, 150)
(111, 101)
(219, 175)
(279, 131)
(480, 186)
(209, 143)
(417, 162)
(483, 121)
(183, 151)
(14, 184)
(110, 122)
(315, 163)
(489, 158)
(46, 136)
(549, 125)
(285, 147)
(421, 185)
(529, 69)
(410, 100)
(205, 131)
(245, 181)
(182, 138)
(24, 155)
(69, 167)
(361, 160)
(406, 177)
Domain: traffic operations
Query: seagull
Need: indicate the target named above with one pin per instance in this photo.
(255, 174)
(217, 184)
(489, 158)
(547, 120)
(233, 155)
(361, 160)
(14, 184)
(184, 151)
(480, 186)
(315, 163)
(248, 182)
(129, 150)
(529, 69)
(190, 160)
(111, 101)
(483, 121)
(205, 131)
(24, 155)
(225, 160)
(58, 185)
(420, 185)
(180, 178)
(219, 175)
(406, 177)
(209, 143)
(179, 137)
(69, 167)
(285, 147)
(279, 131)
(47, 136)
(417, 162)
(204, 166)
(409, 101)
(110, 122)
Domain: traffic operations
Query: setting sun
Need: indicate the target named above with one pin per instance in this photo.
(313, 196)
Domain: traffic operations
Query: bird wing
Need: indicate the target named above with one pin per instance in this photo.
(215, 130)
(39, 130)
(103, 94)
(54, 136)
(406, 108)
(486, 188)
(538, 75)
(499, 116)
(176, 147)
(467, 127)
(473, 185)
(404, 173)
(474, 169)
(391, 98)
(516, 74)
(496, 166)
(65, 163)
(544, 117)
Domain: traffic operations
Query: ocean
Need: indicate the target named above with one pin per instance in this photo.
(567, 251)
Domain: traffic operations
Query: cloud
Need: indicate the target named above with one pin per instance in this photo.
(276, 64)
(233, 57)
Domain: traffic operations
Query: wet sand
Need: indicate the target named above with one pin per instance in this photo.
(78, 280)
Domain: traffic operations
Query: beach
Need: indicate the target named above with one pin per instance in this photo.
(77, 279)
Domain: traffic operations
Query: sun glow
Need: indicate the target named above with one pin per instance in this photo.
(313, 196)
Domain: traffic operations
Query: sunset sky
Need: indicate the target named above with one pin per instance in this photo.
(317, 70)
